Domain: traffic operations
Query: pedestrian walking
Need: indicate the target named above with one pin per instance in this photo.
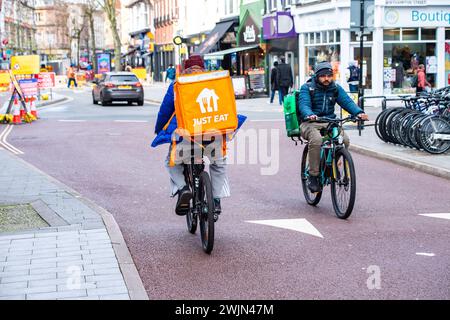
(353, 76)
(422, 82)
(284, 78)
(71, 76)
(170, 73)
(274, 84)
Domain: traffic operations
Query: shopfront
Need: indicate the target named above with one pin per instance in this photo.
(403, 35)
(413, 36)
(281, 41)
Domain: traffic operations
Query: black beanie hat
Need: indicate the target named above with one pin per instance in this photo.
(323, 68)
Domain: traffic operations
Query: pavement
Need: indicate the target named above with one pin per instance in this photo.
(81, 253)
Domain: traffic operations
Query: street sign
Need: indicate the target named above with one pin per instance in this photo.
(46, 80)
(355, 15)
(25, 64)
(29, 87)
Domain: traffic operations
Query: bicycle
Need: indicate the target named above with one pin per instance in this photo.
(202, 203)
(336, 169)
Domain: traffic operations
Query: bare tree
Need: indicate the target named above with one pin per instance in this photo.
(89, 11)
(109, 6)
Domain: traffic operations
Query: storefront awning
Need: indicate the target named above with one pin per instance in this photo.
(220, 54)
(215, 35)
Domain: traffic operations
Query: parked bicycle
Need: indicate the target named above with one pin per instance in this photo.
(423, 123)
(202, 203)
(336, 169)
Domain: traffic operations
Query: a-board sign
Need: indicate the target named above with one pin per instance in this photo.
(239, 85)
(46, 80)
(25, 64)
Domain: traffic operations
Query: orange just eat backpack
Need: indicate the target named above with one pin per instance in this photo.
(205, 103)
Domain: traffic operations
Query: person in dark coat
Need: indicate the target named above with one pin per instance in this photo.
(274, 83)
(285, 79)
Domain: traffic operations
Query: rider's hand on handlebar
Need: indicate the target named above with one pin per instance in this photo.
(363, 116)
(312, 117)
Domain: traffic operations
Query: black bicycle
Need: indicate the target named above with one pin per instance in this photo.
(336, 169)
(202, 203)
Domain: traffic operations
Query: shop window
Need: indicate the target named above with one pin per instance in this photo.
(306, 38)
(318, 37)
(391, 34)
(331, 36)
(401, 61)
(324, 37)
(338, 36)
(428, 34)
(410, 34)
(447, 33)
(330, 53)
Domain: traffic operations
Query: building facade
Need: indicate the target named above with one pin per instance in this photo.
(18, 29)
(52, 32)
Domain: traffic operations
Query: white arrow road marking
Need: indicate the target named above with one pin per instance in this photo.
(300, 225)
(437, 215)
(131, 121)
(425, 254)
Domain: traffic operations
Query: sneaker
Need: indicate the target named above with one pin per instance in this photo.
(217, 209)
(184, 201)
(313, 184)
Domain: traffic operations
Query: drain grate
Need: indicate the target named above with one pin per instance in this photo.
(20, 217)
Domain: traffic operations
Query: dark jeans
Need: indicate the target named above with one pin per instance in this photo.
(283, 92)
(272, 96)
(70, 81)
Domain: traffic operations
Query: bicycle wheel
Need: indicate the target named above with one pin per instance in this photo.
(311, 198)
(427, 131)
(191, 217)
(207, 213)
(343, 184)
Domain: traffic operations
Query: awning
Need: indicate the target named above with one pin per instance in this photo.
(220, 54)
(214, 36)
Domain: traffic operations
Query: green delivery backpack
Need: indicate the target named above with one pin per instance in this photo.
(290, 104)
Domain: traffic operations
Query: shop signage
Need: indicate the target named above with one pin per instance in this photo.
(280, 25)
(417, 17)
(250, 33)
(29, 87)
(167, 47)
(431, 64)
(406, 3)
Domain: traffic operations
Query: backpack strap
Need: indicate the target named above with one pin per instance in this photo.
(168, 122)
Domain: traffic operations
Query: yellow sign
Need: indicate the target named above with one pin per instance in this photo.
(183, 50)
(4, 78)
(168, 47)
(140, 73)
(25, 64)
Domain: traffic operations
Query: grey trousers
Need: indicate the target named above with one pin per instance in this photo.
(217, 168)
(311, 131)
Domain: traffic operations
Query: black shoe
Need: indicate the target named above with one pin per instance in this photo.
(313, 184)
(183, 203)
(217, 209)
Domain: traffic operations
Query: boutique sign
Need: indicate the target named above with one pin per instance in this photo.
(417, 17)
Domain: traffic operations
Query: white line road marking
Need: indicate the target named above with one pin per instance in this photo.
(425, 254)
(300, 225)
(437, 215)
(5, 144)
(72, 120)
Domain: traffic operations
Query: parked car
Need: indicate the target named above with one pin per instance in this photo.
(117, 86)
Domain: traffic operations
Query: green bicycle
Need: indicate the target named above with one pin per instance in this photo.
(336, 169)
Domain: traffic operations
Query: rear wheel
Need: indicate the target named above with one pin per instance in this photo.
(103, 101)
(432, 135)
(343, 184)
(140, 102)
(207, 213)
(93, 99)
(311, 198)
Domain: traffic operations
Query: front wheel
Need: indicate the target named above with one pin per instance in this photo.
(343, 184)
(206, 213)
(311, 198)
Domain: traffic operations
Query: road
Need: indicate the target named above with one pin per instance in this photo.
(386, 250)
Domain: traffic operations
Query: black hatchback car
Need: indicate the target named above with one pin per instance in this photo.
(118, 86)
